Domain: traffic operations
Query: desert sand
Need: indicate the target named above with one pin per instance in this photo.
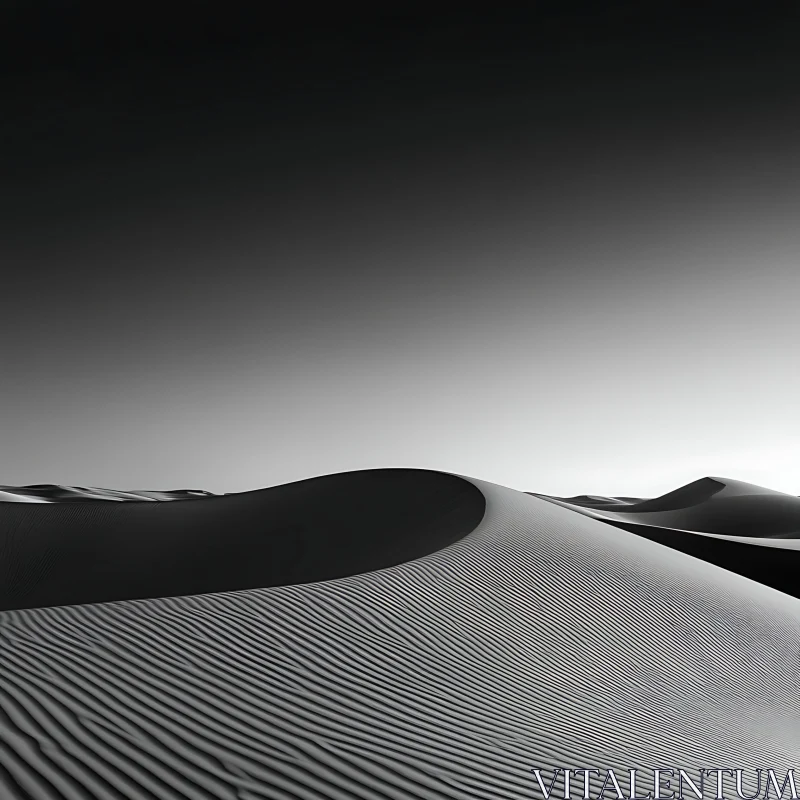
(740, 526)
(476, 632)
(95, 551)
(54, 493)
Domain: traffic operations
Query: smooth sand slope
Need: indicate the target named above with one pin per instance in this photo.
(740, 526)
(543, 637)
(328, 527)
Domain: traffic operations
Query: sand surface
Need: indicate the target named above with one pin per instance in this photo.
(740, 526)
(55, 493)
(328, 527)
(540, 637)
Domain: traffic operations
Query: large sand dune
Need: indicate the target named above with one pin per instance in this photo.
(329, 527)
(542, 637)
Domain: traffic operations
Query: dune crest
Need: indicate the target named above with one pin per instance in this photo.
(93, 551)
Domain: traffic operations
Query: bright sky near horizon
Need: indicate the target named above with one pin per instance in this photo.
(584, 291)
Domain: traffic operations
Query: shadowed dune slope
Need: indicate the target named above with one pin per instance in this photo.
(755, 558)
(541, 638)
(318, 529)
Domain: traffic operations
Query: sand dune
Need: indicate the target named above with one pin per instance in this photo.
(328, 527)
(740, 526)
(541, 637)
(54, 493)
(710, 505)
(596, 500)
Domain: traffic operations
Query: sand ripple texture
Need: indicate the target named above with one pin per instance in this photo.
(543, 637)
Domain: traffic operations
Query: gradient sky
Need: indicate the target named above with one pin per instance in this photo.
(560, 253)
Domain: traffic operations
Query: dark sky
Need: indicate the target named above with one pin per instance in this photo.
(558, 250)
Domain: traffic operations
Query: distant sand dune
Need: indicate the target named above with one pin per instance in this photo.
(542, 637)
(54, 493)
(740, 526)
(709, 505)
